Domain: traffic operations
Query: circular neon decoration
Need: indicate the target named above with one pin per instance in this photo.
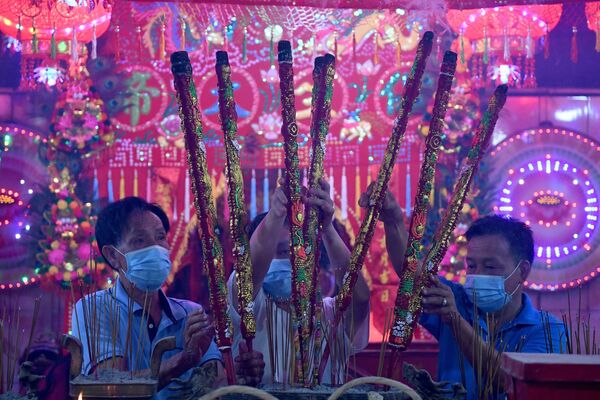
(550, 179)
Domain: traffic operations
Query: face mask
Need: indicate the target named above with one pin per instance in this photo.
(488, 291)
(148, 268)
(278, 281)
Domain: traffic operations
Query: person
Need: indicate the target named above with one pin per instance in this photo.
(272, 279)
(135, 313)
(44, 370)
(490, 307)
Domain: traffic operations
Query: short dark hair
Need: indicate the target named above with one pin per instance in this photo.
(114, 218)
(518, 234)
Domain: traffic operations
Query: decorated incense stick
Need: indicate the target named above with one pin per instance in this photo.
(403, 317)
(323, 76)
(203, 202)
(367, 228)
(237, 206)
(300, 272)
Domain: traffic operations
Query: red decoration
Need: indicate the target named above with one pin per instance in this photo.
(18, 18)
(592, 12)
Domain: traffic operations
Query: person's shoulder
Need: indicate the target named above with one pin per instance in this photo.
(187, 305)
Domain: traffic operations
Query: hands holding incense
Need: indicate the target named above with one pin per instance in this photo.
(249, 366)
(438, 299)
(197, 337)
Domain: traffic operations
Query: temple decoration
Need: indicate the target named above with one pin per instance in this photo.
(592, 13)
(50, 33)
(552, 184)
(503, 41)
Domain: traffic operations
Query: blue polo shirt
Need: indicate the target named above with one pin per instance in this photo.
(525, 334)
(111, 305)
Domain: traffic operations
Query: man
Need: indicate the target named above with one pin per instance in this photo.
(272, 279)
(500, 253)
(134, 314)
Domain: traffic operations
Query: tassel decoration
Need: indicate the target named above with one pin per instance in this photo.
(253, 210)
(34, 39)
(135, 183)
(111, 193)
(138, 30)
(331, 185)
(245, 46)
(122, 185)
(162, 44)
(506, 46)
(598, 35)
(335, 45)
(266, 191)
(94, 54)
(149, 186)
(574, 52)
(486, 50)
(95, 191)
(376, 51)
(344, 193)
(53, 43)
(354, 51)
(398, 50)
(529, 45)
(175, 209)
(118, 43)
(546, 44)
(19, 29)
(314, 47)
(305, 178)
(74, 50)
(272, 48)
(225, 38)
(186, 204)
(182, 33)
(462, 47)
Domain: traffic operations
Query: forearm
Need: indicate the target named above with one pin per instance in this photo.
(395, 242)
(263, 247)
(338, 253)
(360, 305)
(480, 354)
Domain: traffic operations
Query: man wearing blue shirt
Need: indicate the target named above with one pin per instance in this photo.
(500, 253)
(129, 318)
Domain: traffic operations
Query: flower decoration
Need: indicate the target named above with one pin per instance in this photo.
(80, 122)
(270, 76)
(368, 68)
(269, 125)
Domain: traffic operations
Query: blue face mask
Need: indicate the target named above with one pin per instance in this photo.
(278, 281)
(488, 291)
(148, 268)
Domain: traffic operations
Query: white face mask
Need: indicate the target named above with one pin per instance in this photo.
(147, 268)
(488, 291)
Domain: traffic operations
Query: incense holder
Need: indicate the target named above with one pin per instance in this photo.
(114, 384)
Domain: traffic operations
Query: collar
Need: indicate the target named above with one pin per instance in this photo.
(172, 310)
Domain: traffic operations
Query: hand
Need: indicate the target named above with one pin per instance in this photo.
(197, 336)
(390, 210)
(438, 299)
(249, 366)
(279, 202)
(319, 197)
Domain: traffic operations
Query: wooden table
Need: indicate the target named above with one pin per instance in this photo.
(551, 376)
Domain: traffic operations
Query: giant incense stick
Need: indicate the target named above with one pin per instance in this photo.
(322, 94)
(191, 126)
(237, 206)
(300, 271)
(367, 228)
(403, 317)
(323, 75)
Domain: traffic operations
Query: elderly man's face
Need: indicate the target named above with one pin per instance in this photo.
(491, 255)
(144, 230)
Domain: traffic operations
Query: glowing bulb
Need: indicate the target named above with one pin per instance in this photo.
(18, 236)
